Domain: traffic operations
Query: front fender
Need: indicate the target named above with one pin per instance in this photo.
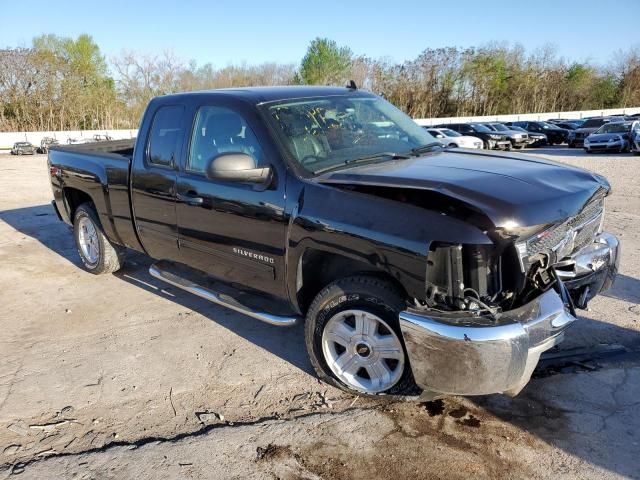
(388, 235)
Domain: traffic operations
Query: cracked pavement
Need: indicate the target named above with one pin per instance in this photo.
(120, 376)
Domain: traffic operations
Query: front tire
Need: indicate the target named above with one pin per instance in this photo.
(97, 253)
(354, 340)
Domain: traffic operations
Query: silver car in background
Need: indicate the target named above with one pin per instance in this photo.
(610, 137)
(23, 148)
(451, 138)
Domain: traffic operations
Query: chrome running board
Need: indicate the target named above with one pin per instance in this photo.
(221, 299)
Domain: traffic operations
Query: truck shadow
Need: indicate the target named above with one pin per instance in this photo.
(41, 223)
(626, 288)
(589, 412)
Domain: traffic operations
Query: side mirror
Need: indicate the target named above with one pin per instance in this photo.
(237, 167)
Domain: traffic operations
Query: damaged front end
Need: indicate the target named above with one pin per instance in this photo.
(490, 311)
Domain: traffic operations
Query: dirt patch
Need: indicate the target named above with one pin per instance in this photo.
(272, 452)
(470, 422)
(434, 408)
(458, 412)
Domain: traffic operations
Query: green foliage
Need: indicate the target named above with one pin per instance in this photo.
(65, 83)
(82, 56)
(325, 63)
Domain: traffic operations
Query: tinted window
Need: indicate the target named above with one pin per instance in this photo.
(220, 130)
(478, 127)
(594, 122)
(166, 135)
(615, 128)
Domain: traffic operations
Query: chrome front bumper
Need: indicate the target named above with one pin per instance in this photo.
(454, 354)
(591, 270)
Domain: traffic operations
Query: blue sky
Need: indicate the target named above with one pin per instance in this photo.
(223, 32)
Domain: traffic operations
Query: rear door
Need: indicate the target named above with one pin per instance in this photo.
(153, 182)
(232, 231)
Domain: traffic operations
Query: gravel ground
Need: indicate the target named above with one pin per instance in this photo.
(121, 376)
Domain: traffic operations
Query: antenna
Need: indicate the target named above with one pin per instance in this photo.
(351, 85)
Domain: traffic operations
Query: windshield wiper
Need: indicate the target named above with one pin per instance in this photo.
(367, 158)
(378, 156)
(426, 148)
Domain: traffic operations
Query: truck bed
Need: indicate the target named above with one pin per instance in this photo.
(101, 170)
(122, 148)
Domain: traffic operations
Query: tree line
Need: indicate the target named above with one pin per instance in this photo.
(63, 83)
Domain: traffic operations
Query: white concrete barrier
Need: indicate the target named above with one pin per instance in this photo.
(529, 116)
(7, 139)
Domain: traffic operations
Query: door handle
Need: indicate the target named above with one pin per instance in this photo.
(190, 199)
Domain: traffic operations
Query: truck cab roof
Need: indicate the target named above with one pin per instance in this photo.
(257, 95)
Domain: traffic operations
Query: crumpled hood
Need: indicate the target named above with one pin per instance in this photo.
(507, 187)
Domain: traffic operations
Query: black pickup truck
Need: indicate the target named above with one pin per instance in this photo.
(418, 270)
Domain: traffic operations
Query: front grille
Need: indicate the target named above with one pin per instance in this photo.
(571, 235)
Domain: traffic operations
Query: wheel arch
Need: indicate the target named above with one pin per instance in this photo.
(73, 198)
(316, 269)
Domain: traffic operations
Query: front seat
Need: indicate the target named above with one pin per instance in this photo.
(304, 143)
(226, 129)
(221, 134)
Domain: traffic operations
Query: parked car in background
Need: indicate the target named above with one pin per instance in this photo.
(23, 148)
(535, 139)
(45, 143)
(518, 140)
(577, 136)
(451, 138)
(79, 141)
(490, 140)
(568, 124)
(555, 135)
(612, 136)
(102, 138)
(635, 137)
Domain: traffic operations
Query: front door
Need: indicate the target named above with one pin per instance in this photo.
(153, 183)
(232, 231)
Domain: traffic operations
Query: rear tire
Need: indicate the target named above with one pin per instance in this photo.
(354, 340)
(98, 254)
